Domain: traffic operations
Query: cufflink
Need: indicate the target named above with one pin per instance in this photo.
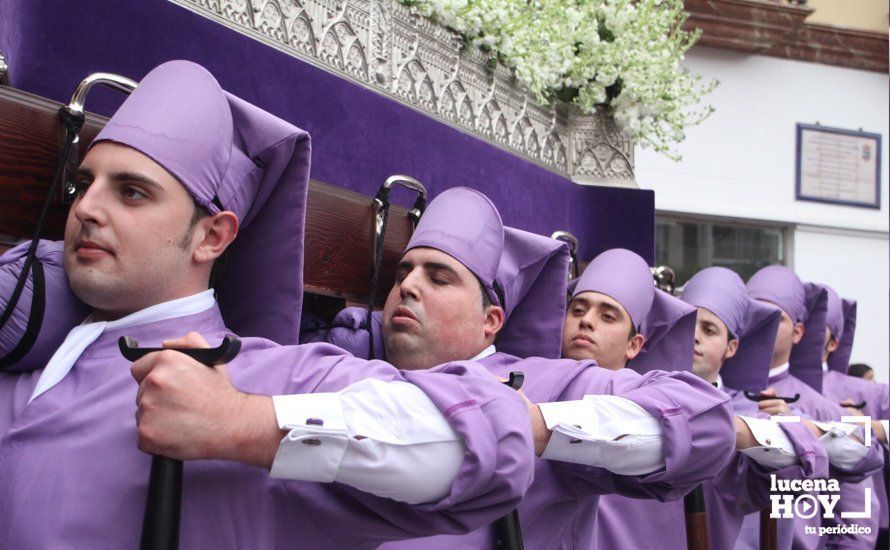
(314, 422)
(573, 441)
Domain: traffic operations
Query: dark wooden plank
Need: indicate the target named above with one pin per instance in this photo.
(339, 222)
(31, 138)
(339, 243)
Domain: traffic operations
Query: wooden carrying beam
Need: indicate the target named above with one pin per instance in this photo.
(339, 222)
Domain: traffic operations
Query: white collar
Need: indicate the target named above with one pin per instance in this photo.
(80, 337)
(824, 367)
(180, 307)
(719, 382)
(778, 370)
(490, 350)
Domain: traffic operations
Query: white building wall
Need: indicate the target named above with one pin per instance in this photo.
(740, 164)
(836, 257)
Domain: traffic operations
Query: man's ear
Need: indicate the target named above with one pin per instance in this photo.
(731, 348)
(493, 321)
(832, 346)
(214, 234)
(634, 346)
(797, 335)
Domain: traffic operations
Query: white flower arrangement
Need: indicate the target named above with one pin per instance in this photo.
(622, 56)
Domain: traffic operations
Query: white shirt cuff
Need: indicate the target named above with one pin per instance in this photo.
(843, 451)
(317, 437)
(384, 438)
(775, 450)
(605, 431)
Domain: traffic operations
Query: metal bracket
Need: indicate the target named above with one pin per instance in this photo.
(75, 107)
(4, 71)
(663, 277)
(381, 205)
(111, 80)
(572, 241)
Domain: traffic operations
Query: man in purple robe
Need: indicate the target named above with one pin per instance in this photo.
(840, 388)
(360, 453)
(795, 369)
(733, 336)
(596, 431)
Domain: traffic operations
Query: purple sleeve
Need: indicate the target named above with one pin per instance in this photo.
(491, 418)
(823, 409)
(697, 427)
(745, 483)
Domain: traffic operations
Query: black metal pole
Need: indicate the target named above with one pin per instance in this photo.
(507, 531)
(160, 524)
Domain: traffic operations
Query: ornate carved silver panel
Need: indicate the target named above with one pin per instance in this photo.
(388, 47)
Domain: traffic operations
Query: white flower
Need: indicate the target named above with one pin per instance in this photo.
(631, 49)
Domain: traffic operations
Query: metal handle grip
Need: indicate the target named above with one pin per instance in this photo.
(759, 397)
(160, 524)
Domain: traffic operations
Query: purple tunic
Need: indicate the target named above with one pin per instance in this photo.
(560, 508)
(740, 488)
(72, 476)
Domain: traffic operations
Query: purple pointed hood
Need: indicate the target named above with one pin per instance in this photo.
(522, 272)
(533, 275)
(666, 323)
(230, 155)
(804, 303)
(723, 293)
(841, 321)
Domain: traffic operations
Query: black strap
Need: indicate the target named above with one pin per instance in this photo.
(35, 319)
(72, 123)
(383, 197)
(415, 213)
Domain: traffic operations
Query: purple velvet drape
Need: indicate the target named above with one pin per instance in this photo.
(358, 136)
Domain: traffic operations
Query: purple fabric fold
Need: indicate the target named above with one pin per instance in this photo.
(804, 303)
(669, 331)
(532, 274)
(806, 355)
(63, 310)
(841, 321)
